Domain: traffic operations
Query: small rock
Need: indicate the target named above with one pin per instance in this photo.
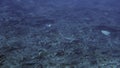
(105, 32)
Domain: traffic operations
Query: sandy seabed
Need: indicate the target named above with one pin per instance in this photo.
(63, 38)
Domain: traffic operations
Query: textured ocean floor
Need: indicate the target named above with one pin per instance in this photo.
(63, 38)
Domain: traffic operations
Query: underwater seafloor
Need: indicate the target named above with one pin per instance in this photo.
(59, 34)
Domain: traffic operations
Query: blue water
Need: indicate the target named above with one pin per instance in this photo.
(59, 34)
